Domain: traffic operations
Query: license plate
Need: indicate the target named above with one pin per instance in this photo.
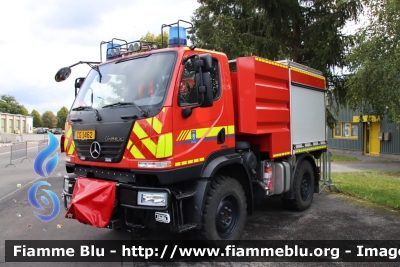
(162, 217)
(85, 135)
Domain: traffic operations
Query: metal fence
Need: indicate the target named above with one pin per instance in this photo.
(324, 165)
(18, 151)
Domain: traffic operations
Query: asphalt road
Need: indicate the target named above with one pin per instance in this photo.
(331, 217)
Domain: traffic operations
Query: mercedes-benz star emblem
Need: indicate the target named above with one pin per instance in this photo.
(95, 150)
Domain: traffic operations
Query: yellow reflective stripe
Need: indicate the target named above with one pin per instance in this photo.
(168, 145)
(281, 154)
(65, 144)
(149, 120)
(161, 147)
(163, 109)
(231, 129)
(271, 62)
(201, 132)
(136, 153)
(69, 133)
(309, 149)
(187, 162)
(71, 148)
(214, 131)
(179, 136)
(129, 144)
(139, 131)
(186, 135)
(151, 146)
(157, 125)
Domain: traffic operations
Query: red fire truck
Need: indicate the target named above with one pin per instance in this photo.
(185, 138)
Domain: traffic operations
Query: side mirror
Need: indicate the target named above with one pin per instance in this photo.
(204, 89)
(78, 84)
(63, 74)
(204, 62)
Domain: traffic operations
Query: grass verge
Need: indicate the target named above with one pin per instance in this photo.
(343, 158)
(375, 186)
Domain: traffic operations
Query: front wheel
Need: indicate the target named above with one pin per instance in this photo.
(225, 210)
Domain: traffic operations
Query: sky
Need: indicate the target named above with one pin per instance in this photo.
(38, 37)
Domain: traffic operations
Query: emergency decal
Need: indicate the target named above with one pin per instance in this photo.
(69, 144)
(193, 135)
(281, 154)
(189, 162)
(153, 143)
(309, 149)
(193, 140)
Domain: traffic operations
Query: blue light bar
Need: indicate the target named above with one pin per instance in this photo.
(174, 40)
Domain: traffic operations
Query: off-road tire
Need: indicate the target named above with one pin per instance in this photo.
(303, 188)
(225, 202)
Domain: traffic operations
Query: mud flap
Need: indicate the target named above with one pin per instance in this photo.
(92, 202)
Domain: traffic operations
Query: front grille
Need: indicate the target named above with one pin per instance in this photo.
(112, 151)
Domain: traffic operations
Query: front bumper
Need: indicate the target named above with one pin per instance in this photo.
(128, 214)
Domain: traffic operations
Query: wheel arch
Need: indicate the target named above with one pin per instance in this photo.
(303, 157)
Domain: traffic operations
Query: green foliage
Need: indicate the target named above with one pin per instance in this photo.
(62, 117)
(308, 32)
(159, 39)
(49, 120)
(378, 187)
(8, 104)
(374, 63)
(37, 118)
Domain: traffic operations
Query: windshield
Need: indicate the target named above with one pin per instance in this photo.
(142, 80)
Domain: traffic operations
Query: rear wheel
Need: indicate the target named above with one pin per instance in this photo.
(303, 188)
(225, 210)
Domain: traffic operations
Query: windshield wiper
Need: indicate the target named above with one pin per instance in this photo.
(144, 113)
(82, 108)
(96, 112)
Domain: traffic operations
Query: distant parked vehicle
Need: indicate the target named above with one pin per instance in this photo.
(40, 131)
(58, 131)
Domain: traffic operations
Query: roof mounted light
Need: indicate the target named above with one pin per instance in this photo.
(177, 33)
(177, 36)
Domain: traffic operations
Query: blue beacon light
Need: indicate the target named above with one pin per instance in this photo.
(173, 36)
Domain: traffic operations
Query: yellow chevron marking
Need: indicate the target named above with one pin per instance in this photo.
(163, 109)
(69, 133)
(157, 125)
(151, 146)
(136, 153)
(71, 148)
(139, 131)
(129, 144)
(164, 146)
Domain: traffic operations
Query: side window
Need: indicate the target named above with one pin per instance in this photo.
(187, 89)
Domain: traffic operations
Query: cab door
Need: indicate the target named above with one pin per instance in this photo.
(205, 130)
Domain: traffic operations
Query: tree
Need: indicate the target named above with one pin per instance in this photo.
(373, 87)
(37, 118)
(49, 120)
(8, 104)
(308, 32)
(62, 117)
(159, 39)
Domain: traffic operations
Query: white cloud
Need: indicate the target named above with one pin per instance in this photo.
(38, 37)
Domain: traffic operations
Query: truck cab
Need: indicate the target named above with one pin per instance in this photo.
(154, 138)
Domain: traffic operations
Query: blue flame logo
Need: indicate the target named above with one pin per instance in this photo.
(32, 199)
(44, 154)
(50, 166)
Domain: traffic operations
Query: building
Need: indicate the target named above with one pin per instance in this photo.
(372, 137)
(15, 123)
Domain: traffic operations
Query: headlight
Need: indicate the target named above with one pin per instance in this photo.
(158, 199)
(67, 158)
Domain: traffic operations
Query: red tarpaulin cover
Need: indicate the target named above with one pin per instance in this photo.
(92, 201)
